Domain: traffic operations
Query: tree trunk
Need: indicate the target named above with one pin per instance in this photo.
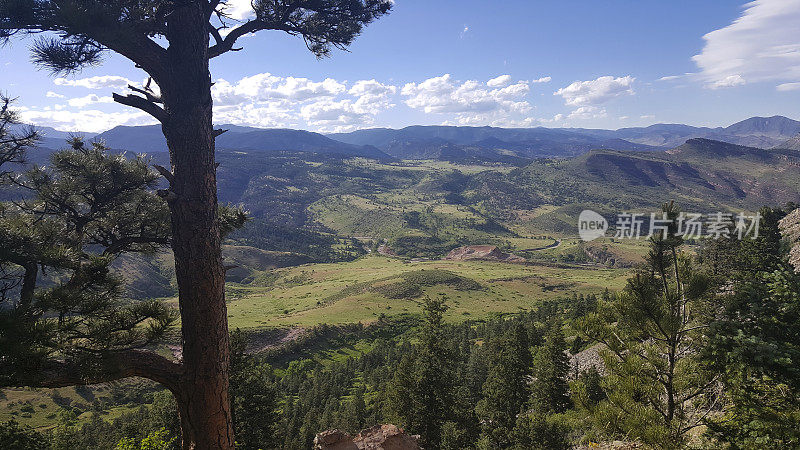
(186, 89)
(28, 285)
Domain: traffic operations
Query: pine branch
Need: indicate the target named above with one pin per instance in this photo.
(113, 366)
(147, 93)
(143, 104)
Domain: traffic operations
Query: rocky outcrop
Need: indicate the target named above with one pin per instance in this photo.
(379, 437)
(482, 252)
(790, 229)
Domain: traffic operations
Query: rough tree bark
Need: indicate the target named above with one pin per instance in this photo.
(202, 395)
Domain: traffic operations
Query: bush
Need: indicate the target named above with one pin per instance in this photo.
(13, 436)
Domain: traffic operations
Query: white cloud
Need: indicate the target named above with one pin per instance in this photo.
(597, 91)
(239, 9)
(99, 82)
(647, 117)
(729, 81)
(265, 87)
(789, 87)
(51, 94)
(463, 32)
(90, 99)
(587, 112)
(266, 100)
(763, 44)
(542, 80)
(263, 115)
(472, 102)
(501, 81)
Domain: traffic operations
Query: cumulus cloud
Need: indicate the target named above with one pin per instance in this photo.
(597, 91)
(265, 87)
(90, 99)
(761, 45)
(99, 82)
(501, 81)
(444, 95)
(587, 112)
(266, 100)
(542, 80)
(51, 94)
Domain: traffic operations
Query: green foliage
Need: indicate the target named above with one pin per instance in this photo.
(12, 144)
(253, 396)
(754, 339)
(157, 440)
(13, 436)
(505, 391)
(549, 389)
(422, 396)
(153, 424)
(539, 432)
(658, 385)
(319, 247)
(86, 208)
(412, 283)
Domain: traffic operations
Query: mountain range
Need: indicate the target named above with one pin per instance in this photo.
(462, 143)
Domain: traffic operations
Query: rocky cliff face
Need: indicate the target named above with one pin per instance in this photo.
(790, 229)
(379, 437)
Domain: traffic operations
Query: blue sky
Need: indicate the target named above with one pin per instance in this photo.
(586, 63)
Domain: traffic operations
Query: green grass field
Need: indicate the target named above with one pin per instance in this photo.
(350, 292)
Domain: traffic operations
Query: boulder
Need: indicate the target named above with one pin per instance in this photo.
(379, 437)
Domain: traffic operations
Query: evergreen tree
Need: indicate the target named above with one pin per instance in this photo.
(173, 42)
(535, 431)
(659, 386)
(253, 397)
(755, 339)
(13, 142)
(83, 211)
(549, 389)
(506, 388)
(355, 412)
(423, 386)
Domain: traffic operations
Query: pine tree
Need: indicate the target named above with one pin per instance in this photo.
(549, 389)
(506, 388)
(356, 411)
(423, 386)
(754, 339)
(659, 386)
(253, 397)
(84, 210)
(12, 144)
(173, 42)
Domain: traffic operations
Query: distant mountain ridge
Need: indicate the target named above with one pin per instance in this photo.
(465, 144)
(762, 132)
(148, 139)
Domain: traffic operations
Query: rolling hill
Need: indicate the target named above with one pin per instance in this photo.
(792, 144)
